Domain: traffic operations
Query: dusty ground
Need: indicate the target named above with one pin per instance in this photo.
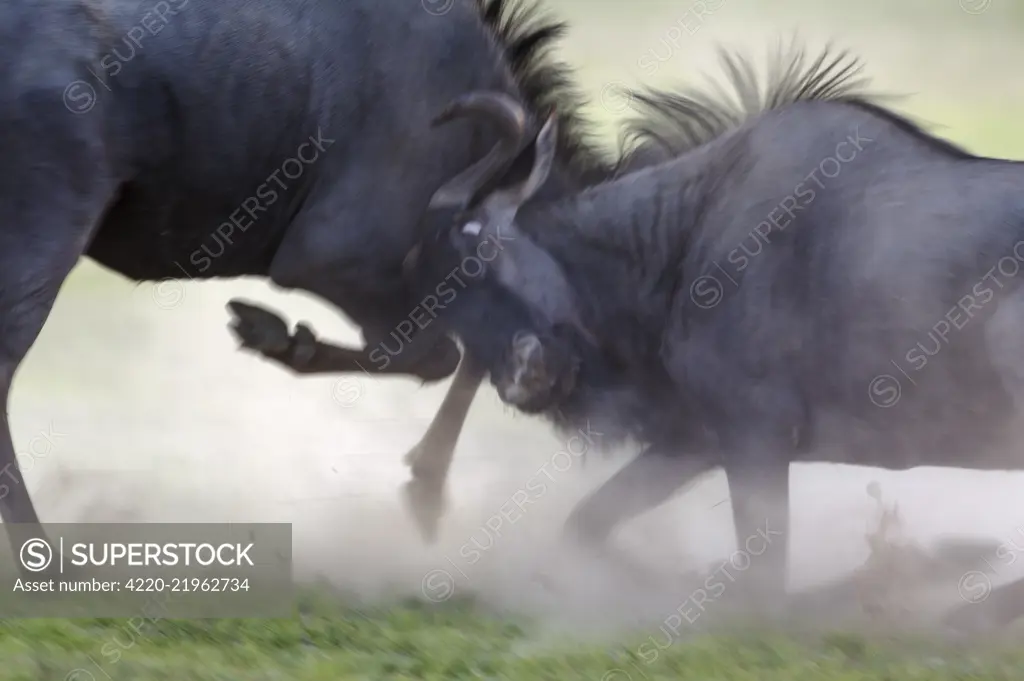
(212, 434)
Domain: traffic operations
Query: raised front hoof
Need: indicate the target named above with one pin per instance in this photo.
(426, 503)
(259, 329)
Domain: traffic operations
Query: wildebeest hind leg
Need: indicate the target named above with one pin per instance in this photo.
(53, 190)
(986, 607)
(641, 485)
(759, 491)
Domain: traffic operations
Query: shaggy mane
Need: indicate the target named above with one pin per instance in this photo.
(670, 122)
(527, 34)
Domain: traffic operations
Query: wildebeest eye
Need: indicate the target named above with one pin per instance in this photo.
(462, 239)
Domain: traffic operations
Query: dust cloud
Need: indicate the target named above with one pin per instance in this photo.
(136, 406)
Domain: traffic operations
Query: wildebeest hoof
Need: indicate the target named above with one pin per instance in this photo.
(303, 345)
(413, 455)
(424, 498)
(424, 455)
(259, 329)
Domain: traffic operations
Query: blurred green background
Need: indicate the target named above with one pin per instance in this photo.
(956, 59)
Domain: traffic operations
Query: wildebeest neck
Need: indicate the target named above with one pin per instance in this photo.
(613, 242)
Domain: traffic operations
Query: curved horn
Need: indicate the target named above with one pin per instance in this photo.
(543, 158)
(511, 120)
(499, 107)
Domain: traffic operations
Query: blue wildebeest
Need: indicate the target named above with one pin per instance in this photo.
(751, 302)
(288, 139)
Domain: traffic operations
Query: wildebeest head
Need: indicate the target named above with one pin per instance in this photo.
(505, 297)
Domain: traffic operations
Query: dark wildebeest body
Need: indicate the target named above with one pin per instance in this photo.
(876, 320)
(281, 138)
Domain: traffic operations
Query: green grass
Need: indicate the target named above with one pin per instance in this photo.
(454, 641)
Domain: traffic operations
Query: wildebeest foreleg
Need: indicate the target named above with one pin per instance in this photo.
(641, 485)
(431, 458)
(264, 331)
